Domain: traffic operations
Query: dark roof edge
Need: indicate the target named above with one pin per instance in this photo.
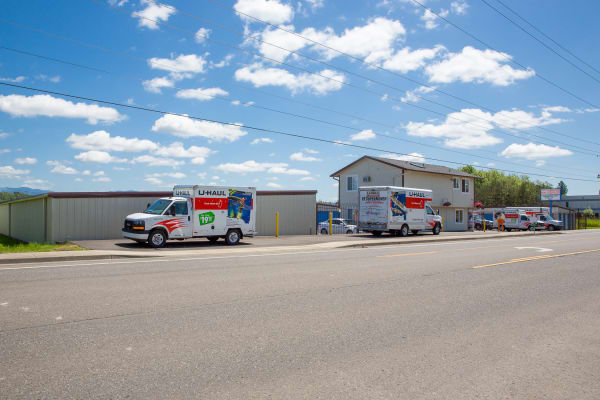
(382, 160)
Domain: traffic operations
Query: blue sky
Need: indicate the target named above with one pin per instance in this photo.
(184, 65)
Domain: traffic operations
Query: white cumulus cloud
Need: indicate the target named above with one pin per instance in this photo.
(186, 127)
(260, 76)
(474, 65)
(48, 106)
(261, 140)
(198, 154)
(152, 13)
(182, 64)
(366, 134)
(253, 166)
(272, 11)
(96, 156)
(102, 140)
(155, 85)
(532, 151)
(9, 172)
(300, 156)
(201, 94)
(25, 160)
(201, 35)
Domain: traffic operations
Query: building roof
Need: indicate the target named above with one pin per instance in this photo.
(412, 166)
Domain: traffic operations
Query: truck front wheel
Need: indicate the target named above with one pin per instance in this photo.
(232, 237)
(437, 229)
(157, 238)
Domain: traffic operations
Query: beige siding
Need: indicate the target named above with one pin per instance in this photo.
(92, 218)
(4, 219)
(380, 174)
(27, 221)
(442, 187)
(297, 214)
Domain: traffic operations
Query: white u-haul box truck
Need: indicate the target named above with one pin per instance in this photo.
(396, 210)
(196, 211)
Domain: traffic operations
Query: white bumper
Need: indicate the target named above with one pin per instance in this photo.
(135, 236)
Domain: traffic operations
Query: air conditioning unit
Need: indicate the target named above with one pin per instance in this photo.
(366, 179)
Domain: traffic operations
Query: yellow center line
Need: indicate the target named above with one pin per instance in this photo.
(408, 254)
(518, 260)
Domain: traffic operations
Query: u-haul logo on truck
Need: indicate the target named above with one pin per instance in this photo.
(182, 192)
(203, 192)
(417, 194)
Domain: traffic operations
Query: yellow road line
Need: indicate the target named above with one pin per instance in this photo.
(518, 260)
(408, 254)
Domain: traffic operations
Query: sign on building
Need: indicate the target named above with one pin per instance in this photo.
(550, 194)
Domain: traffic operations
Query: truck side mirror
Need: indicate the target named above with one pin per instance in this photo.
(147, 205)
(437, 212)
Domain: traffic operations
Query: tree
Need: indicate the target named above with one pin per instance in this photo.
(495, 189)
(563, 188)
(588, 212)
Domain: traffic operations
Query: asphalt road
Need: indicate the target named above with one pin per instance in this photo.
(453, 320)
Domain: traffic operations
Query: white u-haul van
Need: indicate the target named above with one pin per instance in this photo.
(196, 211)
(396, 210)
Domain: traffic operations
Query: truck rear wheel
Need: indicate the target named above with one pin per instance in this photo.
(550, 227)
(233, 237)
(404, 231)
(157, 238)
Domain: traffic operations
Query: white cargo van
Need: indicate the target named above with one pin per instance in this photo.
(516, 220)
(196, 211)
(396, 210)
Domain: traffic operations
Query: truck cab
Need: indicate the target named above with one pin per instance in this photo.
(195, 211)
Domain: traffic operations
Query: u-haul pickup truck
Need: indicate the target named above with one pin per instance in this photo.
(396, 210)
(195, 211)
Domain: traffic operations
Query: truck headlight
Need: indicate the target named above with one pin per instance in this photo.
(139, 225)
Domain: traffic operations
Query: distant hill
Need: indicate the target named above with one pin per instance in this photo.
(25, 190)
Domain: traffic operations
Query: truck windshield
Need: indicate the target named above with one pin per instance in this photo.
(157, 207)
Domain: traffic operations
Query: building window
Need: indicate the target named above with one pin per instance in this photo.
(455, 183)
(465, 186)
(352, 183)
(459, 217)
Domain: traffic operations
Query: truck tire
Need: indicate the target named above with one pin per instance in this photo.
(323, 231)
(213, 239)
(436, 229)
(157, 238)
(376, 233)
(551, 227)
(403, 231)
(232, 237)
(349, 232)
(531, 228)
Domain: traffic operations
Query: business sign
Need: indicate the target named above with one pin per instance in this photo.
(550, 194)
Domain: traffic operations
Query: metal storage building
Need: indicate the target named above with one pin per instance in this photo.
(64, 216)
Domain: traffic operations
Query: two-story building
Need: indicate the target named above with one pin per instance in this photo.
(453, 190)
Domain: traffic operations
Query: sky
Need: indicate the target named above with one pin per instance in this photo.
(387, 75)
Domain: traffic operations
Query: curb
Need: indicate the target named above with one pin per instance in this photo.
(454, 239)
(31, 260)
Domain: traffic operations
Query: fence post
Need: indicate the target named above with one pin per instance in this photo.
(276, 223)
(330, 222)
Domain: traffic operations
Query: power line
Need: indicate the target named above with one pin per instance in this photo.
(539, 41)
(511, 60)
(342, 82)
(277, 132)
(132, 77)
(362, 60)
(548, 37)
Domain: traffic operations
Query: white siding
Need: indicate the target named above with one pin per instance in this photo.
(297, 214)
(27, 221)
(4, 219)
(92, 217)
